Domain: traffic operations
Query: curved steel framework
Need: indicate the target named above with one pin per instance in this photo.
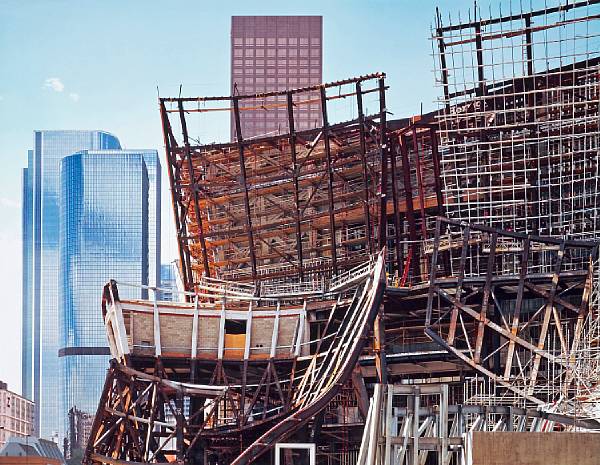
(270, 343)
(142, 414)
(304, 203)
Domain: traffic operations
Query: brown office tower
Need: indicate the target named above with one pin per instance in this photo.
(270, 53)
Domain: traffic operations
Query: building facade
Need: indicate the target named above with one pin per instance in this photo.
(109, 229)
(16, 415)
(168, 282)
(270, 53)
(30, 451)
(41, 211)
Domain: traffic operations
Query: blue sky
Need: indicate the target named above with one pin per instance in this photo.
(97, 64)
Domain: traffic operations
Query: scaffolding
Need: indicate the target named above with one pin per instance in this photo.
(518, 123)
(449, 262)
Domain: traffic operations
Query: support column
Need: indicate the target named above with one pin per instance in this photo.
(290, 110)
(244, 182)
(329, 181)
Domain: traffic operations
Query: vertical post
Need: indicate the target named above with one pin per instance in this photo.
(365, 172)
(529, 45)
(193, 188)
(290, 110)
(461, 276)
(156, 320)
(275, 335)
(410, 209)
(415, 426)
(194, 350)
(479, 52)
(384, 162)
(221, 340)
(330, 181)
(548, 312)
(179, 426)
(443, 425)
(486, 297)
(397, 223)
(443, 65)
(240, 144)
(420, 187)
(530, 99)
(433, 271)
(436, 170)
(379, 347)
(176, 198)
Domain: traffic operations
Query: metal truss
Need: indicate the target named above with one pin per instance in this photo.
(157, 406)
(511, 306)
(298, 204)
(415, 424)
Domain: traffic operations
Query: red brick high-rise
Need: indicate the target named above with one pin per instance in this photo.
(270, 53)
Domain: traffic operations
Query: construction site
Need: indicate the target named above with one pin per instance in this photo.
(375, 291)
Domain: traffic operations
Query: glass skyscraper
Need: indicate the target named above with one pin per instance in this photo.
(27, 298)
(41, 211)
(168, 282)
(109, 229)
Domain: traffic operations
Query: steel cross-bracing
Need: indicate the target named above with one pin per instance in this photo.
(379, 288)
(512, 307)
(300, 203)
(225, 377)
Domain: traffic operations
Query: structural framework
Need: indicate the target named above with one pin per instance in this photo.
(380, 289)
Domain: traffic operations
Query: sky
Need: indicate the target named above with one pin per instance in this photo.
(100, 65)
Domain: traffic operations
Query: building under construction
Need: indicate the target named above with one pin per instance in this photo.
(375, 291)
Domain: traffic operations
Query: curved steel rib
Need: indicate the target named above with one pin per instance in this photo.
(332, 372)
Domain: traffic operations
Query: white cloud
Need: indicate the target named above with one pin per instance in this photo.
(1, 97)
(73, 96)
(10, 203)
(55, 84)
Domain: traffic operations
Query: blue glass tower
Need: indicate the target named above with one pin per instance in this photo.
(109, 229)
(40, 268)
(27, 254)
(168, 282)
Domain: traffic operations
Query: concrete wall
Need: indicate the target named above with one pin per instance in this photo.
(536, 448)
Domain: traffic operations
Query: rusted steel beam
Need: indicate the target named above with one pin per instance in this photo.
(178, 207)
(518, 16)
(194, 189)
(481, 88)
(244, 182)
(499, 329)
(410, 209)
(468, 361)
(420, 182)
(292, 129)
(331, 204)
(299, 90)
(461, 276)
(383, 142)
(435, 156)
(443, 65)
(397, 220)
(433, 272)
(548, 240)
(487, 289)
(363, 158)
(379, 347)
(583, 311)
(360, 390)
(547, 314)
(175, 199)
